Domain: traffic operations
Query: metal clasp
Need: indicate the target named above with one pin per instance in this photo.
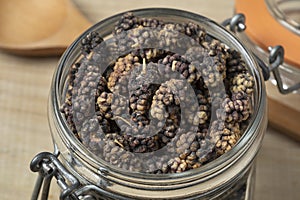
(48, 167)
(276, 58)
(276, 55)
(236, 23)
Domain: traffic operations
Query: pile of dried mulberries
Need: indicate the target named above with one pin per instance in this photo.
(158, 97)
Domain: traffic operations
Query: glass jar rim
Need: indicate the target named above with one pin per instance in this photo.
(223, 161)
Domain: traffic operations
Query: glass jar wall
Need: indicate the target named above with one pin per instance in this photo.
(229, 176)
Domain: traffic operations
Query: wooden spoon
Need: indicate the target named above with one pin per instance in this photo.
(39, 28)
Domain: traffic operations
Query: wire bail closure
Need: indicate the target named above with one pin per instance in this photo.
(48, 166)
(276, 55)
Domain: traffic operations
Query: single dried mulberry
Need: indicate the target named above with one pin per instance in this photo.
(90, 41)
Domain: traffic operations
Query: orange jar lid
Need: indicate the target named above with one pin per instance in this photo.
(264, 30)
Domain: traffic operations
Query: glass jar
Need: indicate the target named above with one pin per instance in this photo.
(280, 26)
(83, 175)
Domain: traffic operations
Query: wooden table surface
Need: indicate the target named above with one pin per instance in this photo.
(24, 88)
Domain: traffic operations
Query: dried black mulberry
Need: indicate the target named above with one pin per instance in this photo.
(91, 40)
(164, 85)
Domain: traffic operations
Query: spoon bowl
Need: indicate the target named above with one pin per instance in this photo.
(39, 28)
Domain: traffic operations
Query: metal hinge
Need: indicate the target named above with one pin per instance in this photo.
(276, 55)
(48, 166)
